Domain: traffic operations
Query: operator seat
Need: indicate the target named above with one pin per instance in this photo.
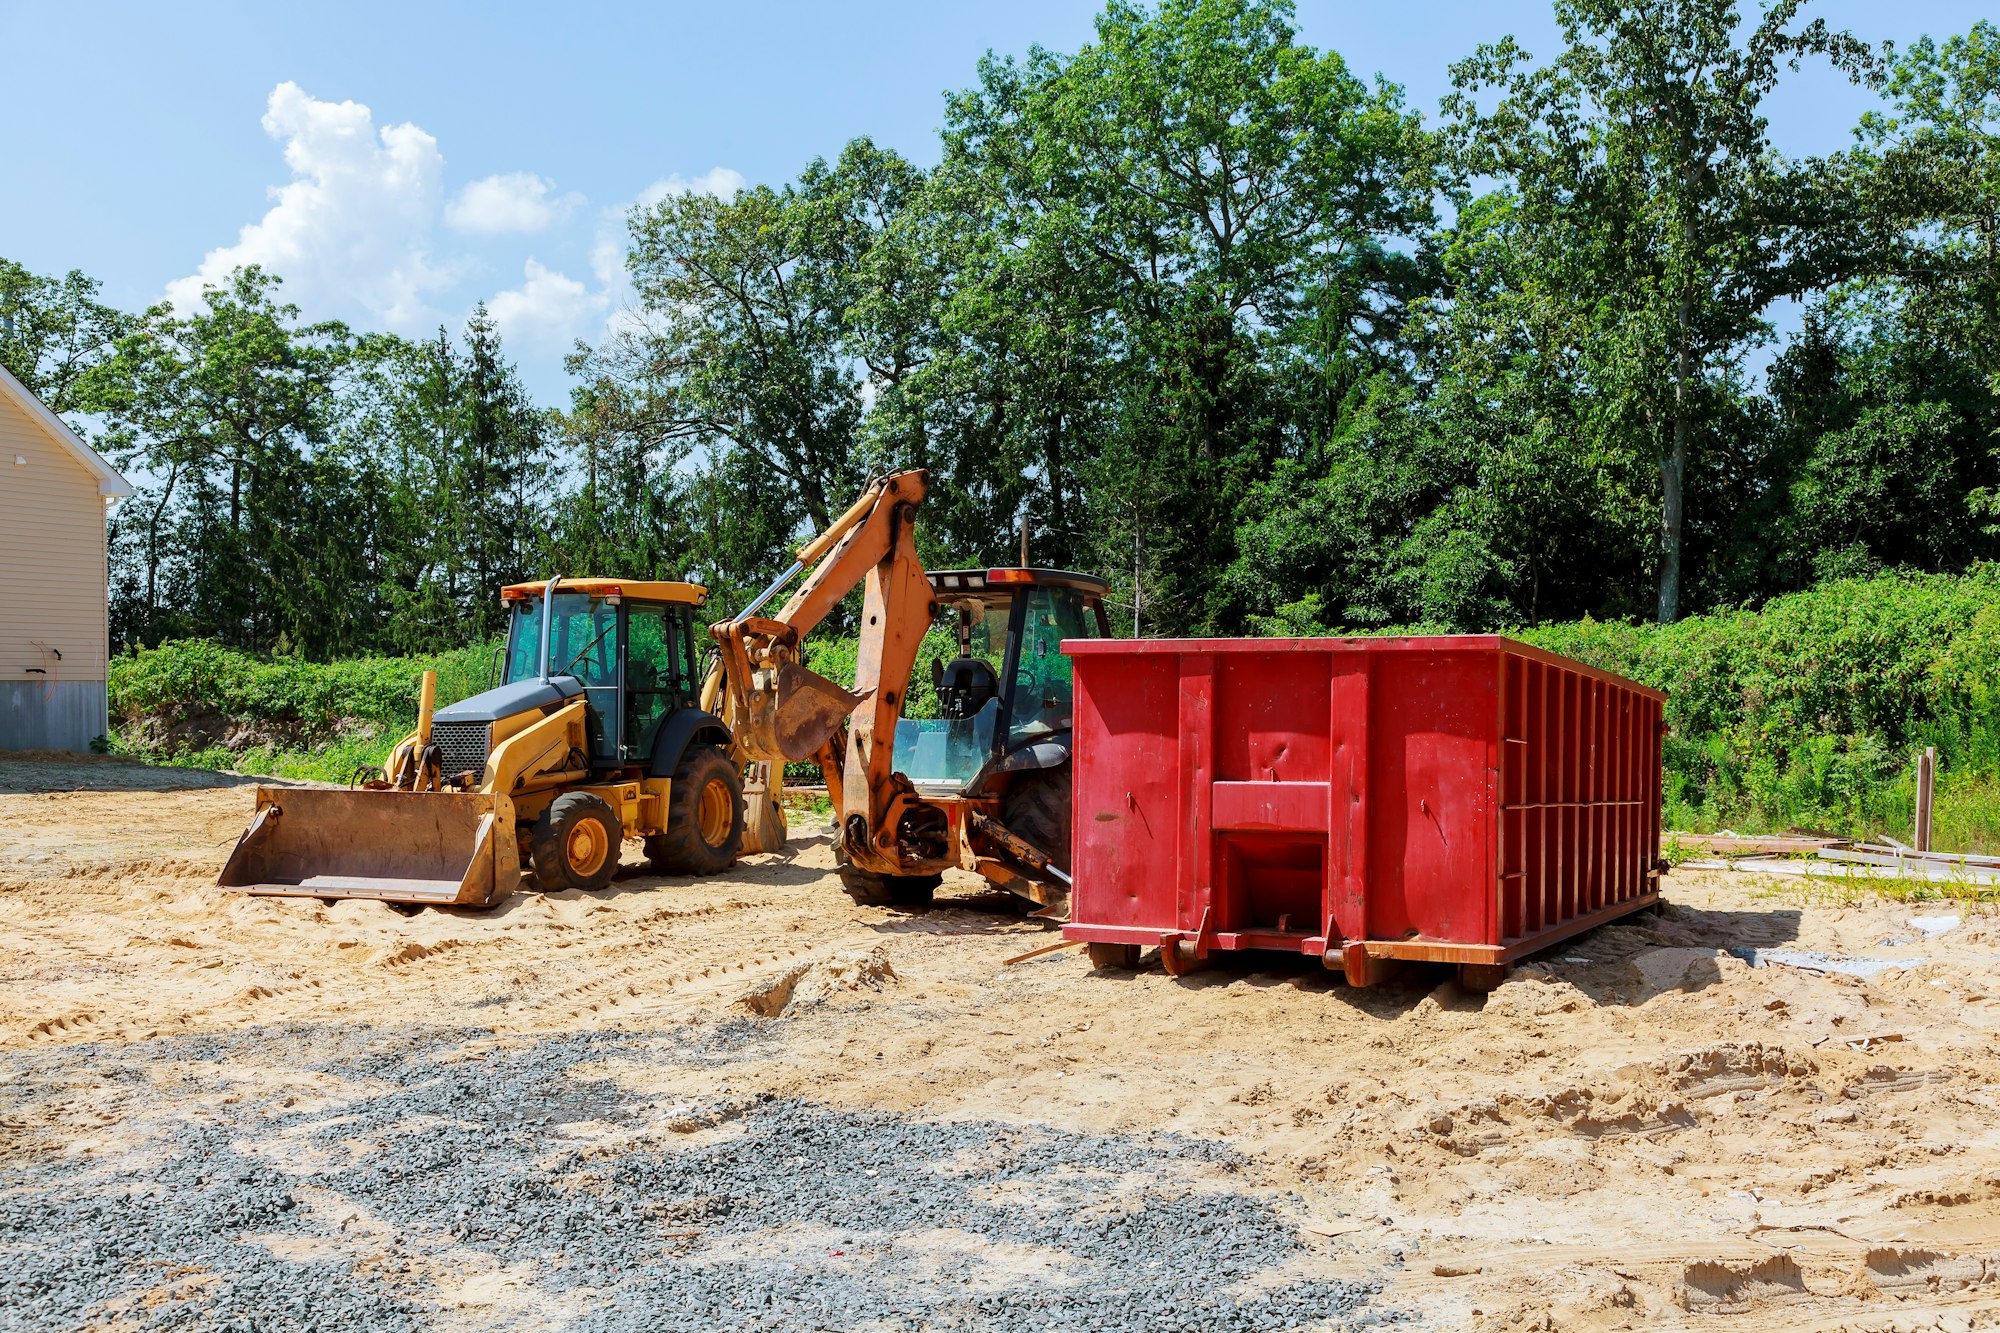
(967, 685)
(646, 706)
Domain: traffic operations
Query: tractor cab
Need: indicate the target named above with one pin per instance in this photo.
(627, 646)
(1004, 700)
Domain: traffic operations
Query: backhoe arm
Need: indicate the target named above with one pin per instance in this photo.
(781, 711)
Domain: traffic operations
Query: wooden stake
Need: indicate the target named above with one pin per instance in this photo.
(1037, 953)
(1926, 793)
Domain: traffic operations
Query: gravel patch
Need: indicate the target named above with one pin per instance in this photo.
(388, 1166)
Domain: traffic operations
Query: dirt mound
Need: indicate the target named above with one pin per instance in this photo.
(200, 728)
(819, 980)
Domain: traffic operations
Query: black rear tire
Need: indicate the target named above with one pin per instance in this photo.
(704, 829)
(869, 889)
(575, 843)
(1036, 807)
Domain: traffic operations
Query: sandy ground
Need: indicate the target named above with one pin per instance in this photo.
(1638, 1130)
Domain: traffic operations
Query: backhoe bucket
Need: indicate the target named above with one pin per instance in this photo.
(800, 715)
(398, 846)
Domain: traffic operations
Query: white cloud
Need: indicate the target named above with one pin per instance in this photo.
(514, 201)
(718, 181)
(549, 308)
(364, 230)
(607, 257)
(352, 227)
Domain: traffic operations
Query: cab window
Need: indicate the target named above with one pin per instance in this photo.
(653, 673)
(585, 643)
(524, 641)
(1043, 689)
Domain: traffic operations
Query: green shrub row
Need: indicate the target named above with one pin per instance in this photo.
(184, 676)
(1810, 710)
(1807, 712)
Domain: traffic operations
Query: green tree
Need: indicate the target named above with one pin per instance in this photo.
(1183, 220)
(743, 336)
(55, 335)
(460, 461)
(1653, 198)
(1933, 159)
(252, 529)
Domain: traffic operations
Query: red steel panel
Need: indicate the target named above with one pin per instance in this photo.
(1463, 796)
(1272, 807)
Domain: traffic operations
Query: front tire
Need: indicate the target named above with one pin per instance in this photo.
(705, 816)
(575, 843)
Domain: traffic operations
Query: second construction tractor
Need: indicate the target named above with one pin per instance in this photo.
(985, 785)
(592, 733)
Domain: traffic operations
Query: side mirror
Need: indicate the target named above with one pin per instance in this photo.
(937, 672)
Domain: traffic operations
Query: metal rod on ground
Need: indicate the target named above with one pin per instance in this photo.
(1926, 791)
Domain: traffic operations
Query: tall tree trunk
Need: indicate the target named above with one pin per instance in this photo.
(1673, 470)
(1052, 459)
(153, 547)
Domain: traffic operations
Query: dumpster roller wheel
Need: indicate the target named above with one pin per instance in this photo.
(1113, 957)
(1179, 958)
(1481, 977)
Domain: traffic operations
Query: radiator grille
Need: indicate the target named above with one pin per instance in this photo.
(462, 745)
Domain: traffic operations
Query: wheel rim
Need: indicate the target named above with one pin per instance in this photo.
(586, 847)
(717, 813)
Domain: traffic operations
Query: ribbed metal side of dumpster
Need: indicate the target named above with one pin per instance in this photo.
(1459, 799)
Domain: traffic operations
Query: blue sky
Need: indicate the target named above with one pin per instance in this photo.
(399, 162)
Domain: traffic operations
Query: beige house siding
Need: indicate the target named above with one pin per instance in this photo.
(54, 626)
(52, 557)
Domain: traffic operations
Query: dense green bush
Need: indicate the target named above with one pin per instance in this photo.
(185, 675)
(345, 715)
(1805, 713)
(1809, 711)
(325, 719)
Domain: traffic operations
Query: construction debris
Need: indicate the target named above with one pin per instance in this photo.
(1812, 960)
(1840, 859)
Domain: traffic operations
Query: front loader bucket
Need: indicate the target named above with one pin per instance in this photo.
(399, 846)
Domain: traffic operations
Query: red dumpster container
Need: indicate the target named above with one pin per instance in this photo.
(1461, 799)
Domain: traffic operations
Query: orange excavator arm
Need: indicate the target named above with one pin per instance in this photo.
(780, 711)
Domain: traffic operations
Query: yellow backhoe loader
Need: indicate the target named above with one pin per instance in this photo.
(986, 785)
(594, 732)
